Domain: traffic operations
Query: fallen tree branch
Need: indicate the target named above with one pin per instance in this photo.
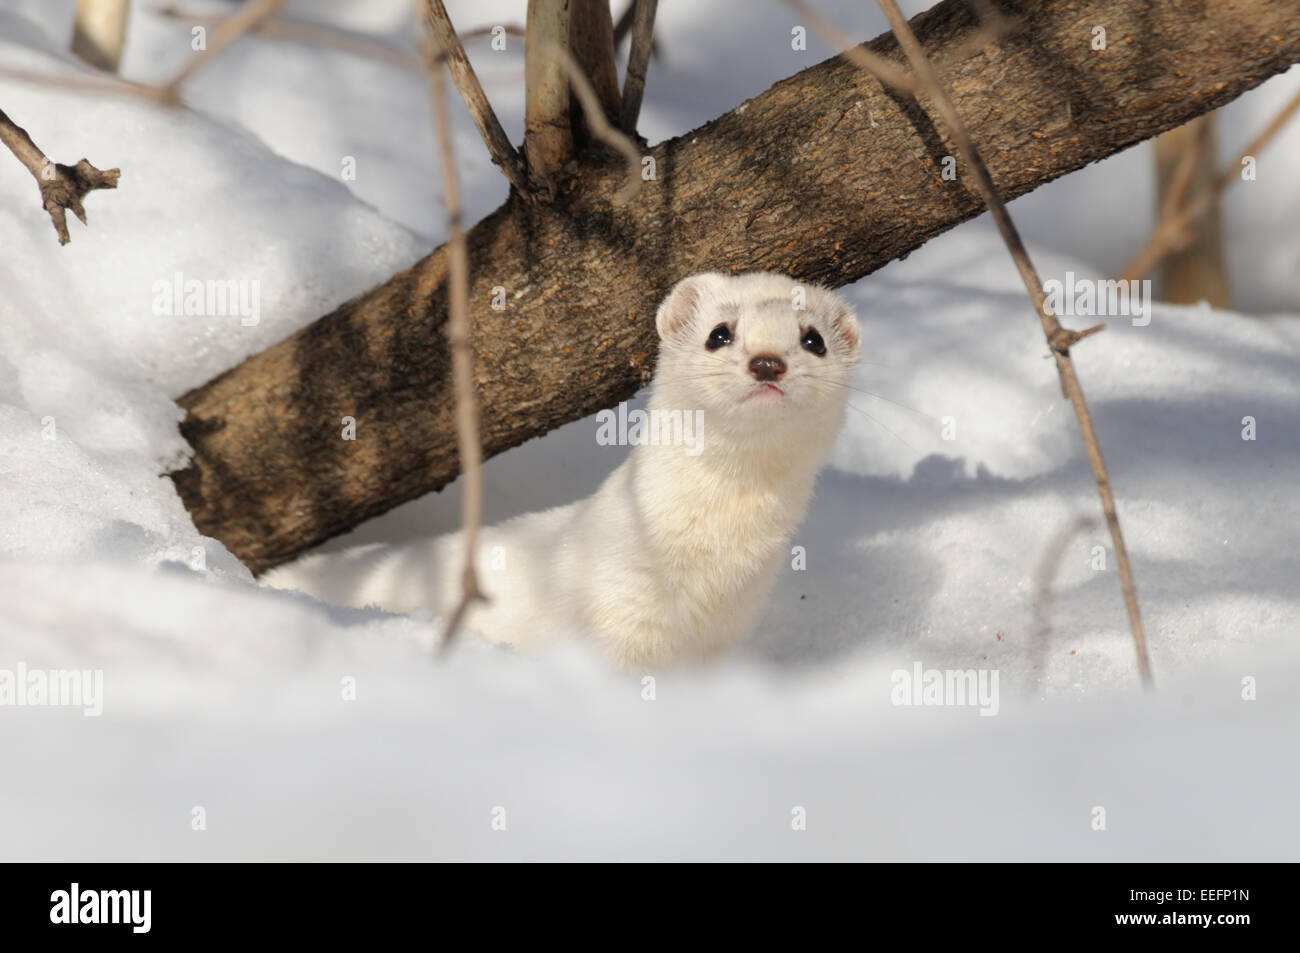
(471, 91)
(1058, 339)
(62, 186)
(469, 444)
(782, 183)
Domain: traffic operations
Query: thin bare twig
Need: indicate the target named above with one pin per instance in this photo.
(638, 59)
(227, 30)
(993, 26)
(462, 74)
(1170, 232)
(232, 28)
(623, 26)
(62, 186)
(1058, 338)
(469, 441)
(251, 18)
(313, 34)
(90, 83)
(888, 72)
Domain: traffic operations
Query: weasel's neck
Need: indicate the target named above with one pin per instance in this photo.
(782, 464)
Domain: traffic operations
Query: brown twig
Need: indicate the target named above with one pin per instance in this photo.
(1171, 230)
(888, 72)
(638, 59)
(471, 91)
(1058, 338)
(62, 186)
(469, 441)
(623, 26)
(90, 83)
(232, 28)
(313, 34)
(992, 27)
(227, 32)
(252, 17)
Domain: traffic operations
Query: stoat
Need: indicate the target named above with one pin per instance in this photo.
(675, 554)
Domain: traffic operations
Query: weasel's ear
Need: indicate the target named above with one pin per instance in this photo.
(677, 313)
(845, 325)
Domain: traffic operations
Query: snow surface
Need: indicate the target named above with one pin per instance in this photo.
(228, 697)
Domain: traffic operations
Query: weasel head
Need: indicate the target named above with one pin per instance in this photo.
(758, 352)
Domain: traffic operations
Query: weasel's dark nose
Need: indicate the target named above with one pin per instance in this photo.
(767, 368)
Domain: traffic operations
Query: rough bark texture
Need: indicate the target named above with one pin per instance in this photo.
(826, 176)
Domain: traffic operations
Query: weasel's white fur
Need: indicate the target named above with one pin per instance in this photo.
(673, 557)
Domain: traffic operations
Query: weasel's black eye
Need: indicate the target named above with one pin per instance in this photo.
(718, 337)
(812, 341)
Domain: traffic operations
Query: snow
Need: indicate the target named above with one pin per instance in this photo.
(238, 700)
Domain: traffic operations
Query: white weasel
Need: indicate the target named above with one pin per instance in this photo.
(673, 557)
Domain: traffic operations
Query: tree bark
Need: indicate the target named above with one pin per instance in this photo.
(826, 176)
